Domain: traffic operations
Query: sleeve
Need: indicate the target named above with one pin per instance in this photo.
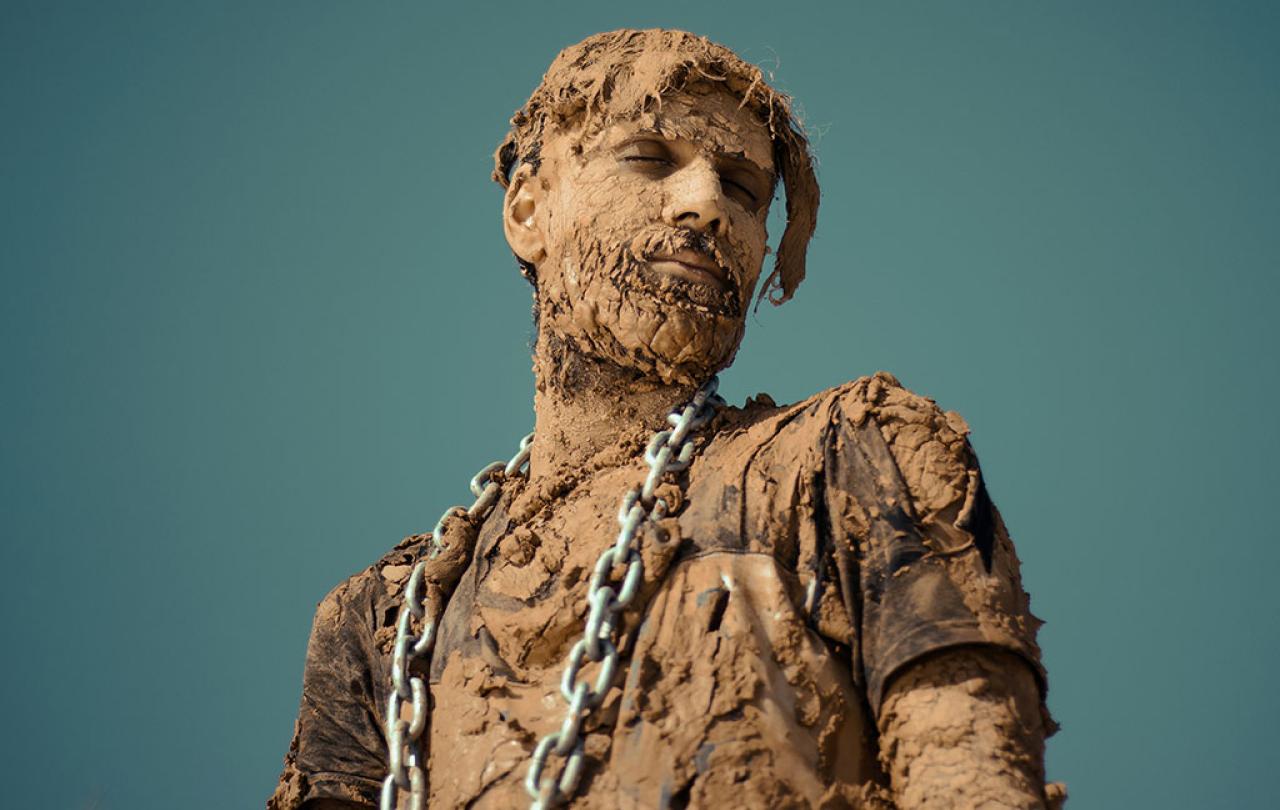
(337, 747)
(924, 559)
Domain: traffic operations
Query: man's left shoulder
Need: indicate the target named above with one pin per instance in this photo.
(901, 414)
(895, 408)
(929, 445)
(926, 441)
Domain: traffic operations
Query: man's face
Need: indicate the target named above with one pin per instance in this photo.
(650, 233)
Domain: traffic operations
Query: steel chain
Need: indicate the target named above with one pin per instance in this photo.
(405, 761)
(668, 451)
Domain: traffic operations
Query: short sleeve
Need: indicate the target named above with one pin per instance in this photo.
(337, 747)
(917, 538)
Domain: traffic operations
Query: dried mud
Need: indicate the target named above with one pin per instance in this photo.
(831, 617)
(619, 75)
(964, 729)
(742, 687)
(600, 227)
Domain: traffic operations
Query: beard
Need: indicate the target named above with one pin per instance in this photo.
(679, 292)
(611, 305)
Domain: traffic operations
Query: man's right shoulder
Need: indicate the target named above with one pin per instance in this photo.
(367, 599)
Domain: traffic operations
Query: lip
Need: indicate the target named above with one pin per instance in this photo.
(692, 266)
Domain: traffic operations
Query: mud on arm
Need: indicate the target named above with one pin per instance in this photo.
(946, 645)
(962, 728)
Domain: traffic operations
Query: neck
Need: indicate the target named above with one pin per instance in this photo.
(590, 413)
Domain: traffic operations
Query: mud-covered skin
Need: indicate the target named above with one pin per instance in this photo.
(740, 690)
(600, 209)
(620, 75)
(963, 729)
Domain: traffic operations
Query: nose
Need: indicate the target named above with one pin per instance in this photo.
(695, 199)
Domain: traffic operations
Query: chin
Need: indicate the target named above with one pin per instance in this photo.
(672, 330)
(678, 345)
(673, 347)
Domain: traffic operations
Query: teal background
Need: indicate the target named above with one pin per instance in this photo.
(258, 322)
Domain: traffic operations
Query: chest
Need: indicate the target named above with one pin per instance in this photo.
(531, 581)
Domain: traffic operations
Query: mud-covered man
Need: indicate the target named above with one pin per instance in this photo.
(830, 613)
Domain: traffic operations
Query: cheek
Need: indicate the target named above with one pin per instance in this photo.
(753, 235)
(749, 240)
(601, 204)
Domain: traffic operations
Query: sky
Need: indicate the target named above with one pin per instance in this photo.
(259, 323)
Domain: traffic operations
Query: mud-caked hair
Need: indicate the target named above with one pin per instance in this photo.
(618, 75)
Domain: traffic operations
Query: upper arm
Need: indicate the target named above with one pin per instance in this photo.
(930, 561)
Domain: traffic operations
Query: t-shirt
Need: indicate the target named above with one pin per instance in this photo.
(813, 551)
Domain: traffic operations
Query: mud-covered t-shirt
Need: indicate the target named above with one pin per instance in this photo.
(813, 551)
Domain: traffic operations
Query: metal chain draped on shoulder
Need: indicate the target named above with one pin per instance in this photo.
(668, 451)
(405, 761)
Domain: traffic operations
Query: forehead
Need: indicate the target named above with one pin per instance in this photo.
(704, 114)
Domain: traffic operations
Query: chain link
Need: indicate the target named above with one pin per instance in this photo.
(668, 451)
(405, 756)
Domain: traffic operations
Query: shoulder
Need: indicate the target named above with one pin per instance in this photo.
(876, 416)
(901, 414)
(358, 604)
(906, 419)
(929, 445)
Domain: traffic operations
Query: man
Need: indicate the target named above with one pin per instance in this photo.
(829, 612)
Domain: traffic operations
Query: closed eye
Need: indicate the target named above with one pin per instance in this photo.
(644, 159)
(741, 189)
(645, 151)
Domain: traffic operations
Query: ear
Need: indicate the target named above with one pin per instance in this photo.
(520, 216)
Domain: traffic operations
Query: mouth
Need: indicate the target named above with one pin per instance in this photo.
(691, 266)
